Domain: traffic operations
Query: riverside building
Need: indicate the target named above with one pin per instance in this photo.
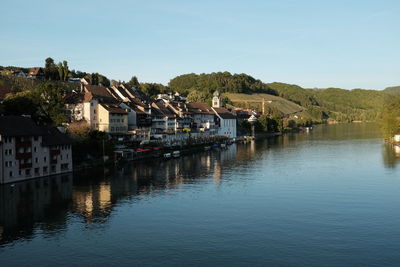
(28, 151)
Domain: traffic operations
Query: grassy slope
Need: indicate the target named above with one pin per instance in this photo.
(395, 90)
(283, 105)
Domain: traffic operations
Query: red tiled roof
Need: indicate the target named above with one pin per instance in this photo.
(224, 113)
(136, 109)
(112, 108)
(160, 107)
(198, 107)
(95, 91)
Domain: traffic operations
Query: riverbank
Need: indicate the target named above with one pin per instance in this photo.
(123, 155)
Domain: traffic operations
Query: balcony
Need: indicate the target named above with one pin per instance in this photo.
(55, 152)
(25, 165)
(22, 144)
(26, 155)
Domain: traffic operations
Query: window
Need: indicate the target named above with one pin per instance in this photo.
(34, 149)
(44, 159)
(36, 171)
(28, 172)
(11, 174)
(36, 160)
(44, 169)
(64, 166)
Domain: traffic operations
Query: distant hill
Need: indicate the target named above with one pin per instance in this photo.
(394, 90)
(223, 81)
(271, 102)
(246, 91)
(242, 89)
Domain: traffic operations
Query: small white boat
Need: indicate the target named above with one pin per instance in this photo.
(207, 148)
(176, 154)
(223, 145)
(167, 155)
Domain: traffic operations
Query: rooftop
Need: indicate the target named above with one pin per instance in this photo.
(224, 113)
(19, 126)
(113, 108)
(95, 91)
(198, 107)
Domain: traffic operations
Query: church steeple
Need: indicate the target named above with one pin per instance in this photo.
(217, 100)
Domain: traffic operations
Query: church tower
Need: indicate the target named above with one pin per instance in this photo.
(217, 100)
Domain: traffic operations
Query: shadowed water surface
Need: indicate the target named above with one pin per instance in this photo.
(326, 198)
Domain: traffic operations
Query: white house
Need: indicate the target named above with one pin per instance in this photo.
(225, 122)
(202, 116)
(29, 151)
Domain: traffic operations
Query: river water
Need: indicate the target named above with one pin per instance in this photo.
(330, 197)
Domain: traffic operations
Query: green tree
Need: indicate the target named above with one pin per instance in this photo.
(65, 70)
(98, 79)
(390, 125)
(60, 71)
(264, 121)
(51, 102)
(21, 103)
(50, 69)
(134, 82)
(152, 89)
(198, 96)
(390, 121)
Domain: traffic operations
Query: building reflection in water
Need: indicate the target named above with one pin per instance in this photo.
(24, 205)
(90, 196)
(391, 155)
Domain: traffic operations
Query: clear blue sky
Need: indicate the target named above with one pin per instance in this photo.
(342, 43)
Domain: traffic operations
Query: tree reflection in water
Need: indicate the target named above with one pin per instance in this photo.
(391, 155)
(45, 205)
